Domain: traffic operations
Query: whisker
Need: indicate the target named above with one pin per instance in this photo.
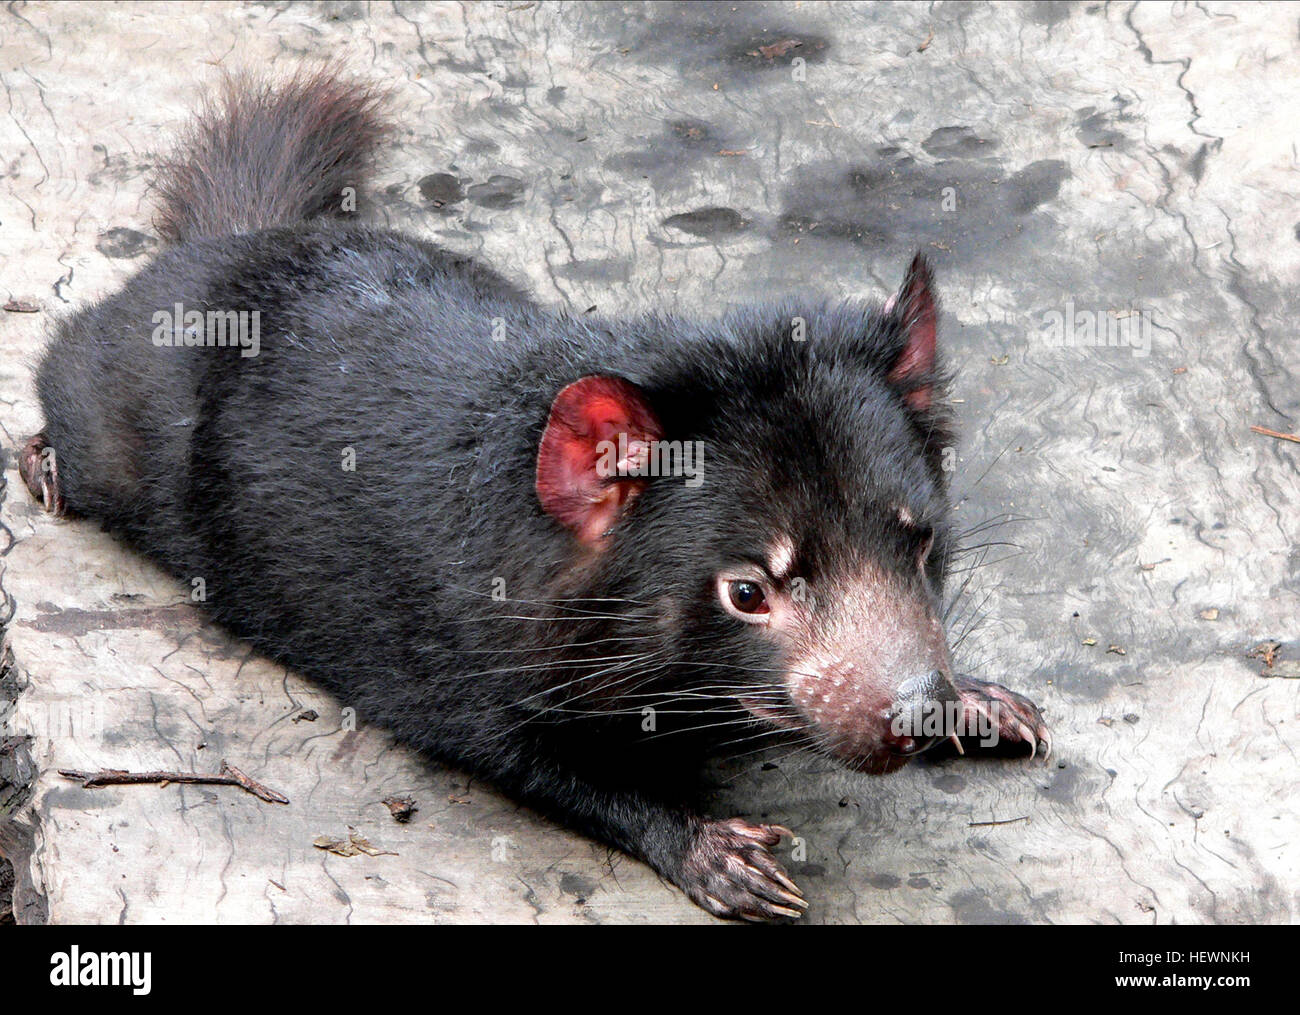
(539, 602)
(560, 647)
(580, 679)
(629, 618)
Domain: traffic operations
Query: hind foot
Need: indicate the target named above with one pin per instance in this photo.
(995, 716)
(39, 466)
(730, 871)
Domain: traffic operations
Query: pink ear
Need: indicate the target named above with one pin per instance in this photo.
(574, 485)
(914, 305)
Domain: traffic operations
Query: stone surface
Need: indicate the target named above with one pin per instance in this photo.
(1111, 163)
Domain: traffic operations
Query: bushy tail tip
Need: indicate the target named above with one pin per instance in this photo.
(262, 154)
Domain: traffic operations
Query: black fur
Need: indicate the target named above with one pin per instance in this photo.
(378, 582)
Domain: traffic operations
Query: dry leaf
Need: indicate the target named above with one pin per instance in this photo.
(353, 845)
(1267, 651)
(776, 49)
(340, 847)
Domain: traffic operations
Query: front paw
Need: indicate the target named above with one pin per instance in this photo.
(730, 871)
(995, 716)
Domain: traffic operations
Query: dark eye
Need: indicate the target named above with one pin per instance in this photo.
(747, 596)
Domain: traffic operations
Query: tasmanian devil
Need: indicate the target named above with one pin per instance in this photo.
(571, 555)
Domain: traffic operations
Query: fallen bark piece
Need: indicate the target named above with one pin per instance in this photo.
(228, 776)
(400, 807)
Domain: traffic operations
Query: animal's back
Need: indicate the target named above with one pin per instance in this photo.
(318, 493)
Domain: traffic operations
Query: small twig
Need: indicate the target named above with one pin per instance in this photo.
(228, 776)
(1276, 433)
(253, 786)
(1004, 821)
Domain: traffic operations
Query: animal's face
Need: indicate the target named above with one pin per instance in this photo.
(795, 565)
(857, 651)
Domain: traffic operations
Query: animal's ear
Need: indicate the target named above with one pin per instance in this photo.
(915, 309)
(597, 440)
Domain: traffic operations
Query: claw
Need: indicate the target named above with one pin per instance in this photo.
(1015, 717)
(1027, 735)
(730, 871)
(39, 467)
(768, 835)
(790, 886)
(775, 894)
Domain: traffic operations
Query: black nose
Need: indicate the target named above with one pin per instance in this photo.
(921, 715)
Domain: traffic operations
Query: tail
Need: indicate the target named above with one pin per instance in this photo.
(265, 155)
